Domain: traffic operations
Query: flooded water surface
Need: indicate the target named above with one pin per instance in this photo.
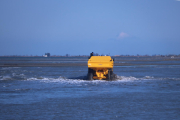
(139, 92)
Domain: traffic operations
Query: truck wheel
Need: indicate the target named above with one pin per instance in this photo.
(110, 75)
(90, 74)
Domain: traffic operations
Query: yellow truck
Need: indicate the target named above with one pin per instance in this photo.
(100, 67)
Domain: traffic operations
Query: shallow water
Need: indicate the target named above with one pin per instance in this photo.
(140, 92)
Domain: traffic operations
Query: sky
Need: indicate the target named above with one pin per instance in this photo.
(78, 27)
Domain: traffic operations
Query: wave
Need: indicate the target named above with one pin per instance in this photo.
(5, 77)
(118, 79)
(62, 79)
(9, 68)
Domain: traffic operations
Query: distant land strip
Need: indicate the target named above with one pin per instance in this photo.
(76, 64)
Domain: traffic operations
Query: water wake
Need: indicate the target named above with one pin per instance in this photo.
(80, 78)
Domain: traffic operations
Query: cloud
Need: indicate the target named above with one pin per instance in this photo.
(177, 0)
(122, 35)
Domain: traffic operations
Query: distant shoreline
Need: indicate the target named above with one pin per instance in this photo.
(36, 56)
(76, 64)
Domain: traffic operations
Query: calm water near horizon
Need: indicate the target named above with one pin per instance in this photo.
(136, 60)
(140, 91)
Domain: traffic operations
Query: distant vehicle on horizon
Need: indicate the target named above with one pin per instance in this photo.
(46, 55)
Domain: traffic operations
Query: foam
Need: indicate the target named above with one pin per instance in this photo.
(6, 77)
(64, 80)
(14, 76)
(148, 77)
(18, 75)
(9, 68)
